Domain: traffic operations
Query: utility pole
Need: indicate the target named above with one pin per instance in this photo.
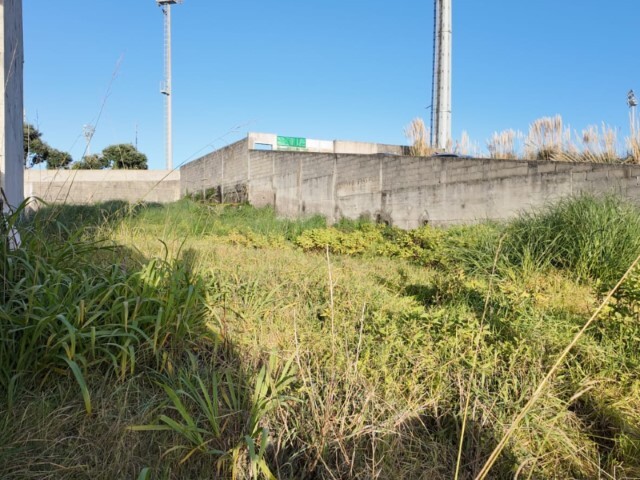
(441, 93)
(11, 106)
(165, 5)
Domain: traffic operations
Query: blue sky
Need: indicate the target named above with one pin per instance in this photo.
(346, 69)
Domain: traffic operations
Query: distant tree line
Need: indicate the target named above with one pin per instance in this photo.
(120, 156)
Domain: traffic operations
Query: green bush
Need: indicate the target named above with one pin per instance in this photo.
(425, 246)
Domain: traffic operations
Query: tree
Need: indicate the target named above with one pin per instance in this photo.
(35, 150)
(125, 156)
(92, 162)
(58, 159)
(38, 151)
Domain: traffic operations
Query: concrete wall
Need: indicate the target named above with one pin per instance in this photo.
(11, 100)
(401, 190)
(222, 174)
(89, 186)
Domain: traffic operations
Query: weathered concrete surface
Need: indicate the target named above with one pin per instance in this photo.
(401, 190)
(11, 100)
(89, 186)
(218, 174)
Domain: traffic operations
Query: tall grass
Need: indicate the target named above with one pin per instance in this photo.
(599, 146)
(69, 309)
(418, 135)
(188, 218)
(547, 138)
(359, 351)
(504, 145)
(594, 238)
(218, 414)
(633, 147)
(466, 147)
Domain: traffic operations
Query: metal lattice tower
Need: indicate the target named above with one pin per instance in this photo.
(165, 5)
(441, 94)
(88, 131)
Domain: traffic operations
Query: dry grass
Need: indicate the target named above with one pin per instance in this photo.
(600, 146)
(633, 147)
(547, 138)
(594, 145)
(465, 146)
(504, 145)
(419, 136)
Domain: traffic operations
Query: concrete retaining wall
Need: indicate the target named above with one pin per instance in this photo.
(90, 186)
(220, 174)
(401, 190)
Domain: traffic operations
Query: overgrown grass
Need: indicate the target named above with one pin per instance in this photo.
(593, 238)
(188, 218)
(200, 341)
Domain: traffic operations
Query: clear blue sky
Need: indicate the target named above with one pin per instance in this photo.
(336, 69)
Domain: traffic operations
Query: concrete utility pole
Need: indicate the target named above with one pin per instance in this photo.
(11, 102)
(166, 88)
(441, 94)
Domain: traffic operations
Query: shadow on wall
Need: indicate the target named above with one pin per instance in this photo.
(236, 194)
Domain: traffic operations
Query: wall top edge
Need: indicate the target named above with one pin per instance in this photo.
(101, 175)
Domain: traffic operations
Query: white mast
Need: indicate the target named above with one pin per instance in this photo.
(441, 94)
(166, 88)
(632, 102)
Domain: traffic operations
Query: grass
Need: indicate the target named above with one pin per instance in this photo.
(418, 134)
(504, 145)
(208, 341)
(549, 139)
(633, 147)
(594, 238)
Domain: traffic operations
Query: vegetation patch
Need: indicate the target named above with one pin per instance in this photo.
(218, 341)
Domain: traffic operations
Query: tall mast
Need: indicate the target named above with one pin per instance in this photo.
(166, 88)
(441, 93)
(632, 102)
